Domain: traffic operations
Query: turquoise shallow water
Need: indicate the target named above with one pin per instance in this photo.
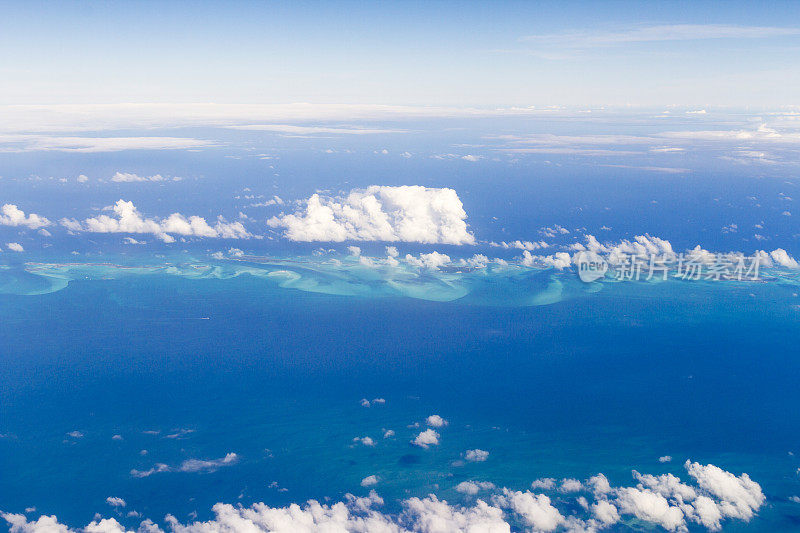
(191, 363)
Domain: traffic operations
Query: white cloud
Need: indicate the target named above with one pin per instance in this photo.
(44, 143)
(15, 247)
(11, 215)
(190, 466)
(665, 459)
(289, 129)
(366, 441)
(115, 501)
(472, 488)
(369, 481)
(559, 260)
(782, 258)
(570, 485)
(127, 219)
(431, 261)
(472, 158)
(476, 455)
(83, 178)
(436, 421)
(656, 500)
(660, 33)
(130, 177)
(426, 438)
(381, 213)
(535, 509)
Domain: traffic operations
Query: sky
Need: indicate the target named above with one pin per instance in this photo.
(401, 53)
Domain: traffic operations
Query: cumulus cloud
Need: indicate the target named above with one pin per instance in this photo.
(369, 481)
(11, 215)
(127, 219)
(114, 501)
(431, 261)
(15, 247)
(380, 213)
(662, 500)
(476, 455)
(472, 488)
(782, 258)
(427, 438)
(436, 421)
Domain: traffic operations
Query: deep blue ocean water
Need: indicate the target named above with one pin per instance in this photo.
(605, 382)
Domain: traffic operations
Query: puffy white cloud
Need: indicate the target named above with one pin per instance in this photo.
(11, 215)
(658, 500)
(546, 483)
(559, 260)
(114, 501)
(476, 455)
(427, 438)
(381, 213)
(535, 509)
(436, 421)
(15, 247)
(665, 459)
(369, 481)
(431, 261)
(127, 219)
(430, 515)
(782, 258)
(651, 507)
(605, 513)
(472, 488)
(366, 441)
(570, 485)
(739, 496)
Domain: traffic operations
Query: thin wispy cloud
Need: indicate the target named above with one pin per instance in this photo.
(658, 33)
(44, 143)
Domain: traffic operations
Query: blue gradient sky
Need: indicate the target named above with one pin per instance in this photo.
(441, 53)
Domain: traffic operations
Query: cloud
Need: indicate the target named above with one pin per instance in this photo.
(427, 438)
(472, 488)
(190, 466)
(127, 219)
(313, 130)
(662, 500)
(782, 258)
(536, 509)
(762, 134)
(381, 213)
(431, 261)
(436, 421)
(15, 247)
(198, 465)
(43, 143)
(366, 441)
(476, 455)
(11, 215)
(369, 481)
(115, 502)
(129, 177)
(659, 33)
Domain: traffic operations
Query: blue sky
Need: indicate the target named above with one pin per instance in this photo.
(441, 53)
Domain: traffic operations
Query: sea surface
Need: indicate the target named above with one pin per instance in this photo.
(107, 376)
